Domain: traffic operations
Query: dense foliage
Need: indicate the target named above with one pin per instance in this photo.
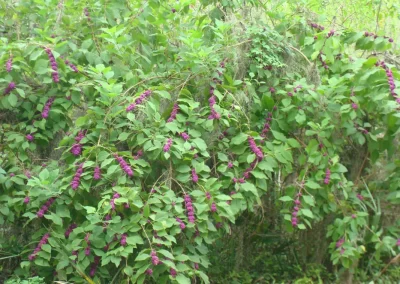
(137, 136)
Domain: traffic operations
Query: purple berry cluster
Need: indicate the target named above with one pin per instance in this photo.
(223, 135)
(174, 112)
(398, 243)
(317, 27)
(214, 114)
(76, 149)
(389, 75)
(172, 272)
(189, 208)
(296, 209)
(97, 173)
(86, 12)
(45, 207)
(81, 134)
(138, 155)
(297, 88)
(29, 137)
(213, 207)
(238, 180)
(112, 201)
(69, 230)
(255, 149)
(94, 265)
(208, 195)
(72, 66)
(331, 33)
(10, 87)
(340, 242)
(123, 240)
(185, 136)
(27, 199)
(9, 64)
(77, 177)
(246, 174)
(375, 36)
(47, 106)
(139, 100)
(327, 176)
(154, 258)
(124, 165)
(195, 177)
(42, 242)
(28, 174)
(267, 126)
(360, 197)
(149, 271)
(167, 145)
(181, 224)
(323, 62)
(54, 65)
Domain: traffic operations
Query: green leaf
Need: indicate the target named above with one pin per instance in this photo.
(41, 66)
(182, 279)
(293, 143)
(204, 277)
(123, 136)
(134, 240)
(13, 100)
(279, 136)
(57, 220)
(286, 198)
(239, 139)
(312, 184)
(200, 144)
(307, 212)
(166, 253)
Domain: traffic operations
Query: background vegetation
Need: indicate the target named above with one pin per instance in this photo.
(199, 141)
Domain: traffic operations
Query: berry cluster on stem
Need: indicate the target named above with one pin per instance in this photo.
(255, 149)
(112, 201)
(195, 177)
(42, 242)
(189, 208)
(139, 100)
(29, 137)
(10, 87)
(138, 155)
(389, 75)
(72, 66)
(54, 65)
(185, 136)
(167, 145)
(124, 165)
(77, 177)
(86, 12)
(97, 173)
(181, 224)
(45, 207)
(174, 112)
(267, 126)
(47, 106)
(69, 230)
(94, 265)
(154, 258)
(317, 27)
(375, 36)
(9, 64)
(327, 176)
